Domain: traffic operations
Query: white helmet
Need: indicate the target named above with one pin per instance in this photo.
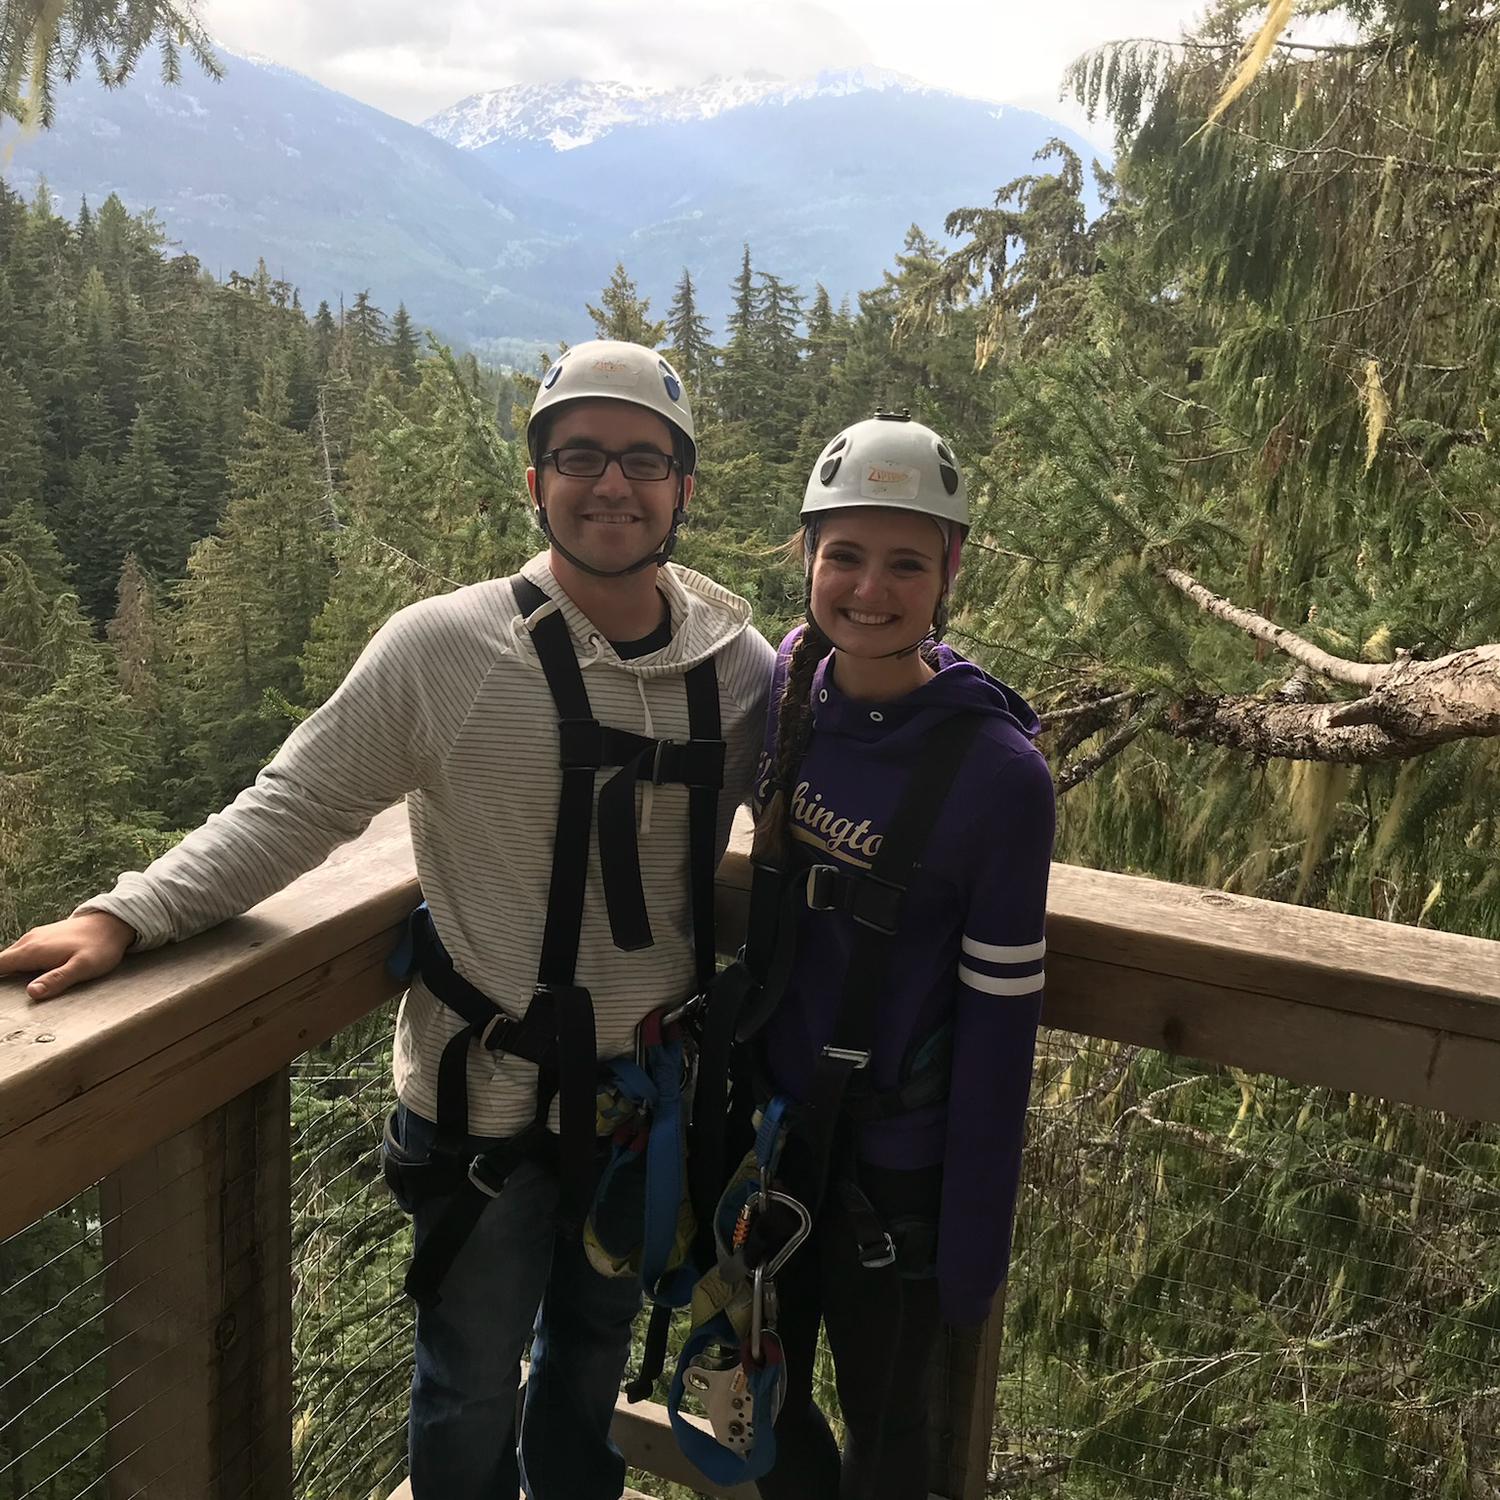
(893, 462)
(613, 371)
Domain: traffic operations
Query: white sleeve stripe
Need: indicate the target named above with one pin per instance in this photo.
(1028, 984)
(994, 953)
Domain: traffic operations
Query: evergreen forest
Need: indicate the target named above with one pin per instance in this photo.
(1234, 450)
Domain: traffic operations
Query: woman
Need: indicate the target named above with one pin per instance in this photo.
(902, 779)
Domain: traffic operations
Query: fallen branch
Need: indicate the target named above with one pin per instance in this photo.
(1409, 707)
(1324, 663)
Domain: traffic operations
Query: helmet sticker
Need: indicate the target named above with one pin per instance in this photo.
(552, 376)
(670, 381)
(889, 482)
(613, 372)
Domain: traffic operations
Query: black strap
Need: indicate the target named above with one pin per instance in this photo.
(867, 978)
(653, 1354)
(471, 1189)
(586, 746)
(704, 729)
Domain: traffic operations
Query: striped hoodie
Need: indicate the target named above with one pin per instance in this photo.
(448, 707)
(969, 955)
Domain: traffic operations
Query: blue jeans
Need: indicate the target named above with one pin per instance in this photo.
(516, 1281)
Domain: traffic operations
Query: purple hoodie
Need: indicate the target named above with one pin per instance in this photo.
(969, 954)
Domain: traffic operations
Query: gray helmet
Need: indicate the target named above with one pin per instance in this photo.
(609, 370)
(893, 462)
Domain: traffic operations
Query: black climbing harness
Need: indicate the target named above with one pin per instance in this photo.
(556, 1031)
(809, 1149)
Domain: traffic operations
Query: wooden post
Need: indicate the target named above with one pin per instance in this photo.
(197, 1246)
(966, 1368)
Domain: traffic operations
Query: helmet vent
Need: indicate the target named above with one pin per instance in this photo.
(947, 467)
(670, 381)
(838, 444)
(830, 468)
(552, 376)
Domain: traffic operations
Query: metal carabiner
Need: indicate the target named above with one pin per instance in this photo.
(763, 1284)
(757, 1313)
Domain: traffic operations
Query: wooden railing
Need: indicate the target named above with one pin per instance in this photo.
(167, 1085)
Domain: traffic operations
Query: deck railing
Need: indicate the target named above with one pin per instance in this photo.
(164, 1130)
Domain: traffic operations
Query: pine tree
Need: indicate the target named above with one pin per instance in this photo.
(135, 633)
(436, 500)
(325, 332)
(364, 338)
(743, 378)
(404, 347)
(688, 339)
(145, 515)
(252, 592)
(21, 464)
(622, 313)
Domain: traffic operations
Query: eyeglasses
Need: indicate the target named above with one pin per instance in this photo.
(643, 464)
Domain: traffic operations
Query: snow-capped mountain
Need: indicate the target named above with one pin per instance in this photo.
(579, 112)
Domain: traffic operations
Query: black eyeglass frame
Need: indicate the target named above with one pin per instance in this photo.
(669, 459)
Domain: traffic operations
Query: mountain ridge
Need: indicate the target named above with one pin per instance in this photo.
(500, 247)
(577, 112)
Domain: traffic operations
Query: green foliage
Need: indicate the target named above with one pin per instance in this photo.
(42, 41)
(622, 313)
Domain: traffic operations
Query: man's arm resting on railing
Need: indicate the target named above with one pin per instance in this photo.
(381, 734)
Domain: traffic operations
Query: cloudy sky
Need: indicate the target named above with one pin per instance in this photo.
(412, 59)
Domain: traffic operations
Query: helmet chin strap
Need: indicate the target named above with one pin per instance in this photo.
(658, 556)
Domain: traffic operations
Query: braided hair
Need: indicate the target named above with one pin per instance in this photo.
(794, 726)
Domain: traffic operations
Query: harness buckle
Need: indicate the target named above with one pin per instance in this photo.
(848, 1055)
(478, 1175)
(656, 762)
(489, 1028)
(822, 888)
(877, 1256)
(683, 1011)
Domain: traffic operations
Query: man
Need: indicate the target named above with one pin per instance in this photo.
(455, 704)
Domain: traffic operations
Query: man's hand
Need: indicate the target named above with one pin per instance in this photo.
(82, 947)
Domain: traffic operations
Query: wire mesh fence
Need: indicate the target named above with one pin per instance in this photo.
(351, 1322)
(1229, 1285)
(113, 1317)
(1224, 1285)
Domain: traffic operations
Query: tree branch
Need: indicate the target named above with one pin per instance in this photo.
(1409, 706)
(1335, 668)
(1057, 715)
(1081, 770)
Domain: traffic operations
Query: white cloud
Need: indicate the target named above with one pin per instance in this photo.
(414, 59)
